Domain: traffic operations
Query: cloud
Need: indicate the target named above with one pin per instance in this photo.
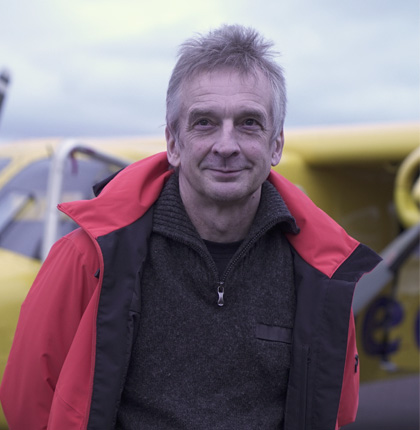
(99, 67)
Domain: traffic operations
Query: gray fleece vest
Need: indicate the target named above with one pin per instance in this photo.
(196, 364)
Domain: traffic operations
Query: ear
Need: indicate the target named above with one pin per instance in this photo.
(172, 148)
(277, 149)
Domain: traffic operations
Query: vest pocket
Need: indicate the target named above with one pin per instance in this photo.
(273, 333)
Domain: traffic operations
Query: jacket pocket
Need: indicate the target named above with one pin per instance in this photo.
(306, 361)
(297, 414)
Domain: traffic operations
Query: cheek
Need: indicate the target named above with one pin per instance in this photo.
(258, 153)
(196, 150)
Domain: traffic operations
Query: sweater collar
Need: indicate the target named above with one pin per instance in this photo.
(172, 220)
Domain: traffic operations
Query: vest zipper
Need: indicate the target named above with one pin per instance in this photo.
(221, 283)
(220, 288)
(220, 292)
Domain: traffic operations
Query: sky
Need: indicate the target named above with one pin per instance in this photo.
(101, 67)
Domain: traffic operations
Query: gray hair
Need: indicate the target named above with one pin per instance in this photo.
(233, 46)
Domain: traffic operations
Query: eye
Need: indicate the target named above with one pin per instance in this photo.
(203, 124)
(251, 124)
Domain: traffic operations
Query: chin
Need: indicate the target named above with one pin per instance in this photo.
(223, 194)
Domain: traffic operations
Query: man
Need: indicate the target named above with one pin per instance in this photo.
(197, 294)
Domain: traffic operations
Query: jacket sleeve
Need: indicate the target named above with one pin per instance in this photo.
(47, 324)
(349, 399)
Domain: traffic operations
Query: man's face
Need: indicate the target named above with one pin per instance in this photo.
(225, 148)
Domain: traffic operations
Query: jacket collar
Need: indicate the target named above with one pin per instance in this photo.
(321, 241)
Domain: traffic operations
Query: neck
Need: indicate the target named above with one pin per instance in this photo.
(223, 222)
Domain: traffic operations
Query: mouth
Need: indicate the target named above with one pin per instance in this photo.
(226, 170)
(218, 171)
(225, 174)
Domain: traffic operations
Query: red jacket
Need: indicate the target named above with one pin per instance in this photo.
(72, 344)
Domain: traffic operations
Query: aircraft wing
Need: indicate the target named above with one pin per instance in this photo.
(364, 144)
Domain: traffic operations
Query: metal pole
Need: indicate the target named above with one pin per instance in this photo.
(4, 83)
(68, 148)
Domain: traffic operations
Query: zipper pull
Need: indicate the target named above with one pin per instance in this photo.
(220, 292)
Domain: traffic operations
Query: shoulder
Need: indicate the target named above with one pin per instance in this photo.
(77, 244)
(79, 240)
(73, 258)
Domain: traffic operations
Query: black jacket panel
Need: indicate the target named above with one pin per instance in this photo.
(124, 253)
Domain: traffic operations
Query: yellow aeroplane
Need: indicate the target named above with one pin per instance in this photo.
(365, 177)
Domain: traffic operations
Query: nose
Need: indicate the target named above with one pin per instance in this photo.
(226, 144)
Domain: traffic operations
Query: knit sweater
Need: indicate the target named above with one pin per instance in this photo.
(197, 365)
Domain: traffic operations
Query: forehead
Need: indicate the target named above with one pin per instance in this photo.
(226, 89)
